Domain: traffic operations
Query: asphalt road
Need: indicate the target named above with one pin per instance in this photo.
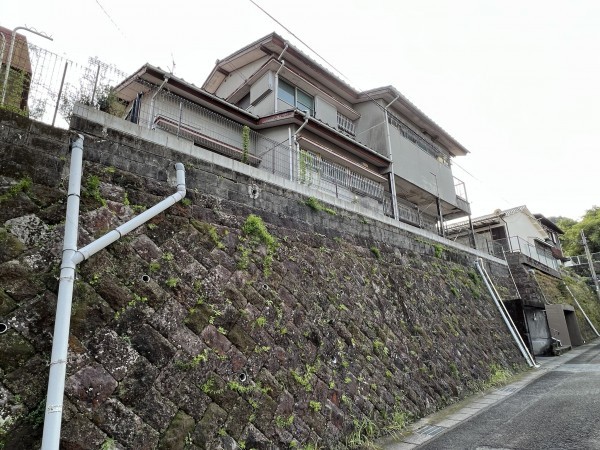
(559, 410)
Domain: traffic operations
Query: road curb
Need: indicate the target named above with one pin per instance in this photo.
(438, 423)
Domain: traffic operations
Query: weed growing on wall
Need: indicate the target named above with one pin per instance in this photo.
(23, 185)
(255, 232)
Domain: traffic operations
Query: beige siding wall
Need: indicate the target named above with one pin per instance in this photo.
(238, 77)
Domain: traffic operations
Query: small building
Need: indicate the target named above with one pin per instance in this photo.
(16, 91)
(514, 230)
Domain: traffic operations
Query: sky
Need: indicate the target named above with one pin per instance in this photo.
(515, 82)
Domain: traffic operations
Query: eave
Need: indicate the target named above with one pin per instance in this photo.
(129, 88)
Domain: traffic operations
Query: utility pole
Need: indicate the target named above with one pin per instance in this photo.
(590, 263)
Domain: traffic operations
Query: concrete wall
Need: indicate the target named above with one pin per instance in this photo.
(370, 128)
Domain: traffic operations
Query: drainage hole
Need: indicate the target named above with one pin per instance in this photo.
(3, 328)
(145, 278)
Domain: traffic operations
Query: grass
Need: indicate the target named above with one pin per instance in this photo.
(317, 206)
(23, 185)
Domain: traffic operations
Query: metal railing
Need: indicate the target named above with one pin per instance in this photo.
(516, 244)
(583, 259)
(412, 136)
(346, 125)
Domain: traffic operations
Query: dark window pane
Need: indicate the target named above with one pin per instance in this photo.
(286, 92)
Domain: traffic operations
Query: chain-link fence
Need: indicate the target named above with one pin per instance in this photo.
(42, 85)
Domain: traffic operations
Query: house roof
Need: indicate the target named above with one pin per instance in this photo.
(20, 59)
(486, 220)
(548, 223)
(275, 46)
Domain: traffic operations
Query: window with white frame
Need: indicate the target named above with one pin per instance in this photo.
(296, 97)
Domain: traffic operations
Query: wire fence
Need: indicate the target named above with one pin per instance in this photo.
(42, 85)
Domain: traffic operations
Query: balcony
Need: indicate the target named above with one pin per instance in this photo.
(462, 200)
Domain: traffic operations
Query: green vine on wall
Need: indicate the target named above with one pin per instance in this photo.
(245, 143)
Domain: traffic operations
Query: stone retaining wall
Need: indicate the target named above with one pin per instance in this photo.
(232, 320)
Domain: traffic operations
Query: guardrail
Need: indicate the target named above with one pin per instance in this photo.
(583, 259)
(516, 244)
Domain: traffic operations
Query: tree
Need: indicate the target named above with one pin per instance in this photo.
(590, 224)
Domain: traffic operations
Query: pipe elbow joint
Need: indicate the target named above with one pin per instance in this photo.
(180, 179)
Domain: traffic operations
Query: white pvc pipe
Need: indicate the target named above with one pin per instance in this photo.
(110, 237)
(71, 257)
(60, 342)
(504, 313)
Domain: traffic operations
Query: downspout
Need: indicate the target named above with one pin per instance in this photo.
(276, 87)
(391, 166)
(151, 116)
(504, 313)
(70, 258)
(291, 146)
(295, 138)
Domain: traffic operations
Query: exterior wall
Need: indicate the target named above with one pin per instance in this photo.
(558, 324)
(237, 78)
(266, 106)
(520, 224)
(418, 167)
(370, 128)
(262, 87)
(325, 112)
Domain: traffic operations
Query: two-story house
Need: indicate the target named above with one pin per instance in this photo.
(511, 230)
(274, 107)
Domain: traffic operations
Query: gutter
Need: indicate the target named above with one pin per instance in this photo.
(70, 258)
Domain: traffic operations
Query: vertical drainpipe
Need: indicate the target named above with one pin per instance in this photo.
(291, 144)
(151, 115)
(391, 167)
(276, 87)
(70, 258)
(296, 143)
(60, 340)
